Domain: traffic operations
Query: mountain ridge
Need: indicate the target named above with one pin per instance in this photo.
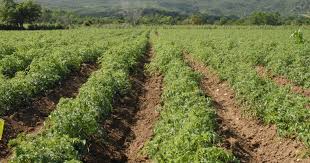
(215, 7)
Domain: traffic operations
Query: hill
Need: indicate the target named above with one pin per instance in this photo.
(215, 7)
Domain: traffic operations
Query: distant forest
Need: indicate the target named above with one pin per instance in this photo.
(240, 8)
(29, 14)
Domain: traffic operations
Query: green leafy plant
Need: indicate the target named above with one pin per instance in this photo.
(186, 129)
(77, 119)
(298, 37)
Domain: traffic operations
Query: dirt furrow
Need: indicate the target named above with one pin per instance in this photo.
(282, 81)
(247, 138)
(132, 120)
(30, 118)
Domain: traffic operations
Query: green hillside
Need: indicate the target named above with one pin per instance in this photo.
(216, 7)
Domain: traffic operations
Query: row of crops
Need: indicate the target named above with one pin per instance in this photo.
(235, 60)
(186, 130)
(32, 63)
(74, 120)
(77, 119)
(39, 64)
(234, 54)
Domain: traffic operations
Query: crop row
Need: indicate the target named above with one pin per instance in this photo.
(45, 72)
(24, 45)
(186, 128)
(262, 97)
(18, 57)
(275, 50)
(289, 60)
(68, 129)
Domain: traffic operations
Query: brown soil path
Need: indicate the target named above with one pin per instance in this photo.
(132, 120)
(30, 118)
(282, 81)
(249, 140)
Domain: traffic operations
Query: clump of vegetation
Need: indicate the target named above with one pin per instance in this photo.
(17, 14)
(298, 36)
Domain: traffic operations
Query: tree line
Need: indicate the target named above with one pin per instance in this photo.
(14, 15)
(162, 17)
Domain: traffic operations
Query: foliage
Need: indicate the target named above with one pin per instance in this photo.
(7, 11)
(27, 12)
(78, 119)
(186, 129)
(33, 62)
(56, 149)
(260, 18)
(234, 54)
(298, 37)
(239, 8)
(19, 13)
(52, 18)
(39, 65)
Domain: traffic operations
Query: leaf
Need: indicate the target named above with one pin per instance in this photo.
(1, 127)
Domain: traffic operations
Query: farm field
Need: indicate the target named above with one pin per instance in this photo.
(155, 94)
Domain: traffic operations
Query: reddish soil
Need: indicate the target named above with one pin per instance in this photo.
(282, 81)
(248, 139)
(132, 120)
(30, 117)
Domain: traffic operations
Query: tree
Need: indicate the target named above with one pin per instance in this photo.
(196, 19)
(19, 13)
(7, 11)
(262, 18)
(27, 12)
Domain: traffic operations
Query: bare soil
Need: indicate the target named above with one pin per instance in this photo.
(132, 120)
(30, 117)
(282, 81)
(247, 138)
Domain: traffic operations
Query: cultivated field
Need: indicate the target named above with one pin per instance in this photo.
(155, 95)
